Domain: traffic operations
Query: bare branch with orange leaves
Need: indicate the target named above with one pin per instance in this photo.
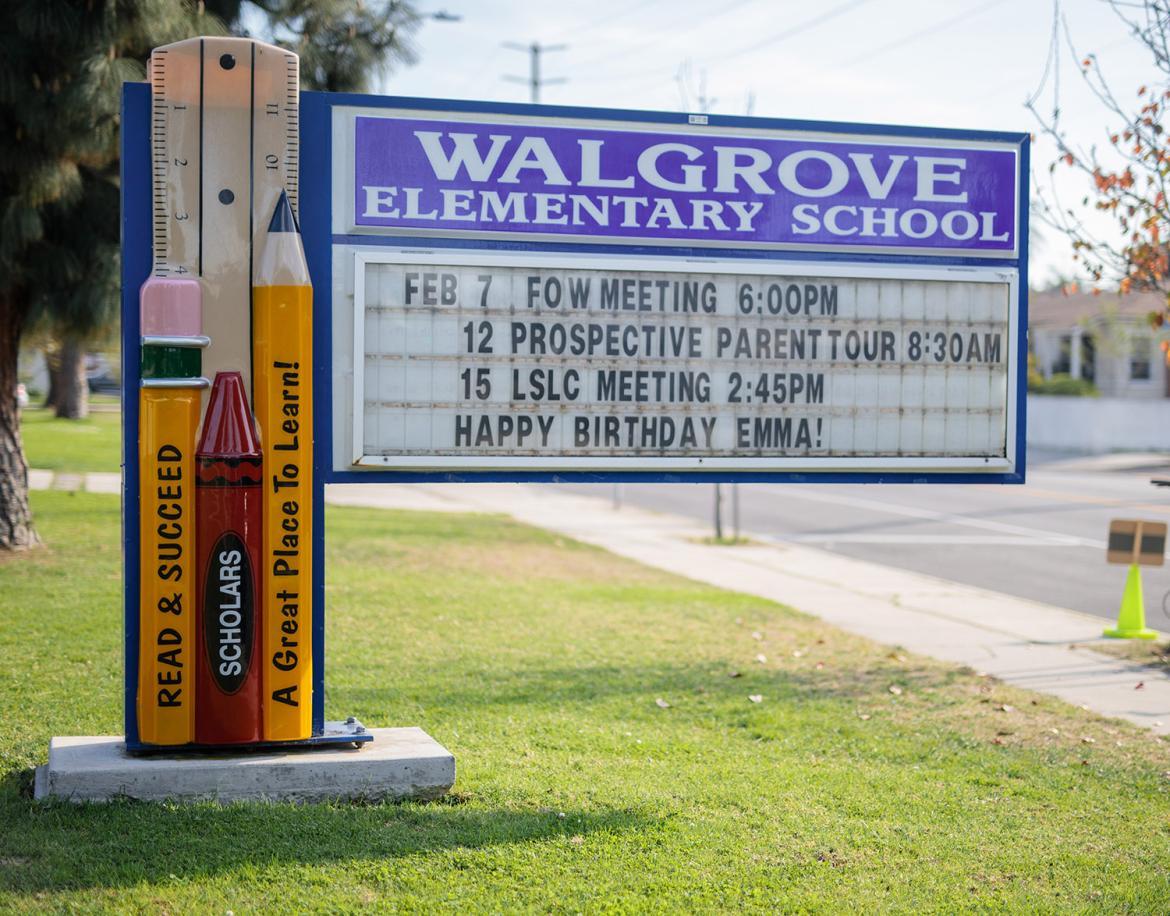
(1128, 182)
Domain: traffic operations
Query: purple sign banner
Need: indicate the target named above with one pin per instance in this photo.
(560, 180)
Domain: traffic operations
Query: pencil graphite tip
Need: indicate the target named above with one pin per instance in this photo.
(282, 217)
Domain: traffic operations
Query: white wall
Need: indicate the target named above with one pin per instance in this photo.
(1098, 425)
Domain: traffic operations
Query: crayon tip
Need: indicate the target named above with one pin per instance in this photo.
(228, 428)
(282, 217)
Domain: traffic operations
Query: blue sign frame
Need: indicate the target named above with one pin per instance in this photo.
(316, 217)
(317, 221)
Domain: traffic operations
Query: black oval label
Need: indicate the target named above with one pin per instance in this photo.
(229, 615)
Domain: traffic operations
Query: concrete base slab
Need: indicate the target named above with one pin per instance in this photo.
(399, 763)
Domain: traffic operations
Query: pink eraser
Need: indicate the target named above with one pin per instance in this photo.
(171, 308)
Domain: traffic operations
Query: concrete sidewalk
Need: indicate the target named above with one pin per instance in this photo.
(1022, 642)
(92, 482)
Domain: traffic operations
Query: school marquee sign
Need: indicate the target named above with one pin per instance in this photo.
(599, 293)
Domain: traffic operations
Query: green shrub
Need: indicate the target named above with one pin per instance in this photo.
(1061, 383)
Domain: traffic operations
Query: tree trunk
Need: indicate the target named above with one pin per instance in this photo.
(16, 527)
(52, 355)
(72, 399)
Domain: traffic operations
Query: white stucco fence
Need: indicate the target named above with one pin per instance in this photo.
(1098, 425)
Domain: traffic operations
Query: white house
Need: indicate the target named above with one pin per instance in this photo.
(1106, 339)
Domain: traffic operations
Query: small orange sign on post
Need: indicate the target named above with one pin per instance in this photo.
(1132, 541)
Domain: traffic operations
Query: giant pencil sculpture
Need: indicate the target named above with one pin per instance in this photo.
(227, 506)
(169, 402)
(282, 373)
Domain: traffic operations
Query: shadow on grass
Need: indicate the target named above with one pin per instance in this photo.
(588, 684)
(62, 846)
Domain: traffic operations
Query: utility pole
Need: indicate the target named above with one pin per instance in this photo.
(534, 80)
(703, 102)
(706, 103)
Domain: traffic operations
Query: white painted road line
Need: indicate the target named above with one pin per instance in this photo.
(964, 540)
(931, 515)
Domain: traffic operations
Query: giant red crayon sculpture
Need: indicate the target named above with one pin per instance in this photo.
(228, 518)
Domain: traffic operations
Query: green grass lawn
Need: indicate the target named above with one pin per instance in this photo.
(862, 780)
(93, 444)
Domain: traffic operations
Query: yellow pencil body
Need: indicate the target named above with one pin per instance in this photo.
(168, 418)
(282, 368)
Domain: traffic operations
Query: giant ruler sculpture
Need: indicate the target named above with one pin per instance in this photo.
(513, 293)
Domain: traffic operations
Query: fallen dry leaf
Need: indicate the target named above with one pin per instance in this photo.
(895, 690)
(577, 840)
(756, 697)
(662, 704)
(864, 717)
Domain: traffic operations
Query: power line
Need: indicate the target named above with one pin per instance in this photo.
(930, 30)
(659, 35)
(592, 25)
(799, 28)
(796, 29)
(777, 38)
(534, 79)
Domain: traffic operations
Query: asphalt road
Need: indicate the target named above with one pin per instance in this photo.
(1044, 540)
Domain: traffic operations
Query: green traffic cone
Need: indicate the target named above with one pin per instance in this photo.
(1131, 622)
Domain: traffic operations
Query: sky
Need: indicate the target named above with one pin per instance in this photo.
(939, 63)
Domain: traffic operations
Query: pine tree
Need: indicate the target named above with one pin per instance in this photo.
(62, 65)
(341, 43)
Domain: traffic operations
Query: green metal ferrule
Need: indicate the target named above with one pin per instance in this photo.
(171, 362)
